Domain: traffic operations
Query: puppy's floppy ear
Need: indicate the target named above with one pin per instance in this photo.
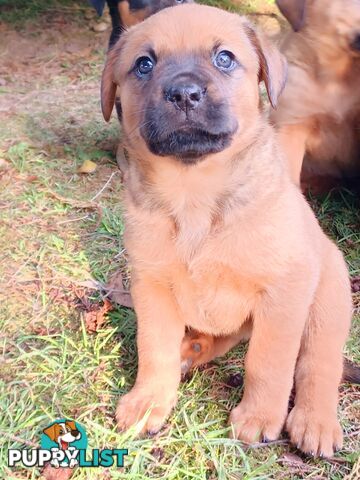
(273, 65)
(52, 432)
(293, 11)
(108, 85)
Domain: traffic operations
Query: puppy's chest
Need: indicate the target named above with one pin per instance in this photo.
(203, 258)
(214, 295)
(192, 231)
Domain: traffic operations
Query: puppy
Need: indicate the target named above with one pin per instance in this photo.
(219, 238)
(319, 112)
(133, 12)
(125, 13)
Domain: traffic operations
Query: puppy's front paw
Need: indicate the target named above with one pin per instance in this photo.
(252, 425)
(138, 403)
(314, 432)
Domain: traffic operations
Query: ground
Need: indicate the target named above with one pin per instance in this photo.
(66, 351)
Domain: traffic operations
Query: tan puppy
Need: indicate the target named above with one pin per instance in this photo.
(319, 111)
(219, 238)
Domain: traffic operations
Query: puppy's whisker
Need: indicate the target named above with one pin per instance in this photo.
(138, 112)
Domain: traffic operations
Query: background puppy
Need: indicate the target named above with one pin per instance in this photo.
(319, 111)
(219, 238)
(134, 12)
(125, 13)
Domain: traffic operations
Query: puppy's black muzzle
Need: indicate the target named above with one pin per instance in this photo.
(191, 145)
(191, 119)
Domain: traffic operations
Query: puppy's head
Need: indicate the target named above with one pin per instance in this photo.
(336, 22)
(188, 81)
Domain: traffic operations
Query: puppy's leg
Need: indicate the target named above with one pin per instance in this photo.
(270, 363)
(117, 26)
(159, 336)
(313, 423)
(199, 348)
(130, 17)
(293, 141)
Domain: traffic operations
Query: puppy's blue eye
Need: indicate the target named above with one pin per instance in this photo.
(224, 60)
(144, 66)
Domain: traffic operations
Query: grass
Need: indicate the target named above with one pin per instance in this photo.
(55, 251)
(18, 11)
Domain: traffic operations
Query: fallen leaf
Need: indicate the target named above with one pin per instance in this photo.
(87, 167)
(51, 473)
(95, 318)
(116, 291)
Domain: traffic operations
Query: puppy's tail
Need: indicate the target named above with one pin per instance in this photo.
(351, 372)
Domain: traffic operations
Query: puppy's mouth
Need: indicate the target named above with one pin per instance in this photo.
(189, 145)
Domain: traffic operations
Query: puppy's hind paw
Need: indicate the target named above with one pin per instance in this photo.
(196, 349)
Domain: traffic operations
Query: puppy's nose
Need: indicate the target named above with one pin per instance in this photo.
(185, 96)
(75, 433)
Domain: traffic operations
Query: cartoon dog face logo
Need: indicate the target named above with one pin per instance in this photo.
(65, 439)
(63, 433)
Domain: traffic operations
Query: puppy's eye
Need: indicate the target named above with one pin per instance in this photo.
(144, 66)
(224, 60)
